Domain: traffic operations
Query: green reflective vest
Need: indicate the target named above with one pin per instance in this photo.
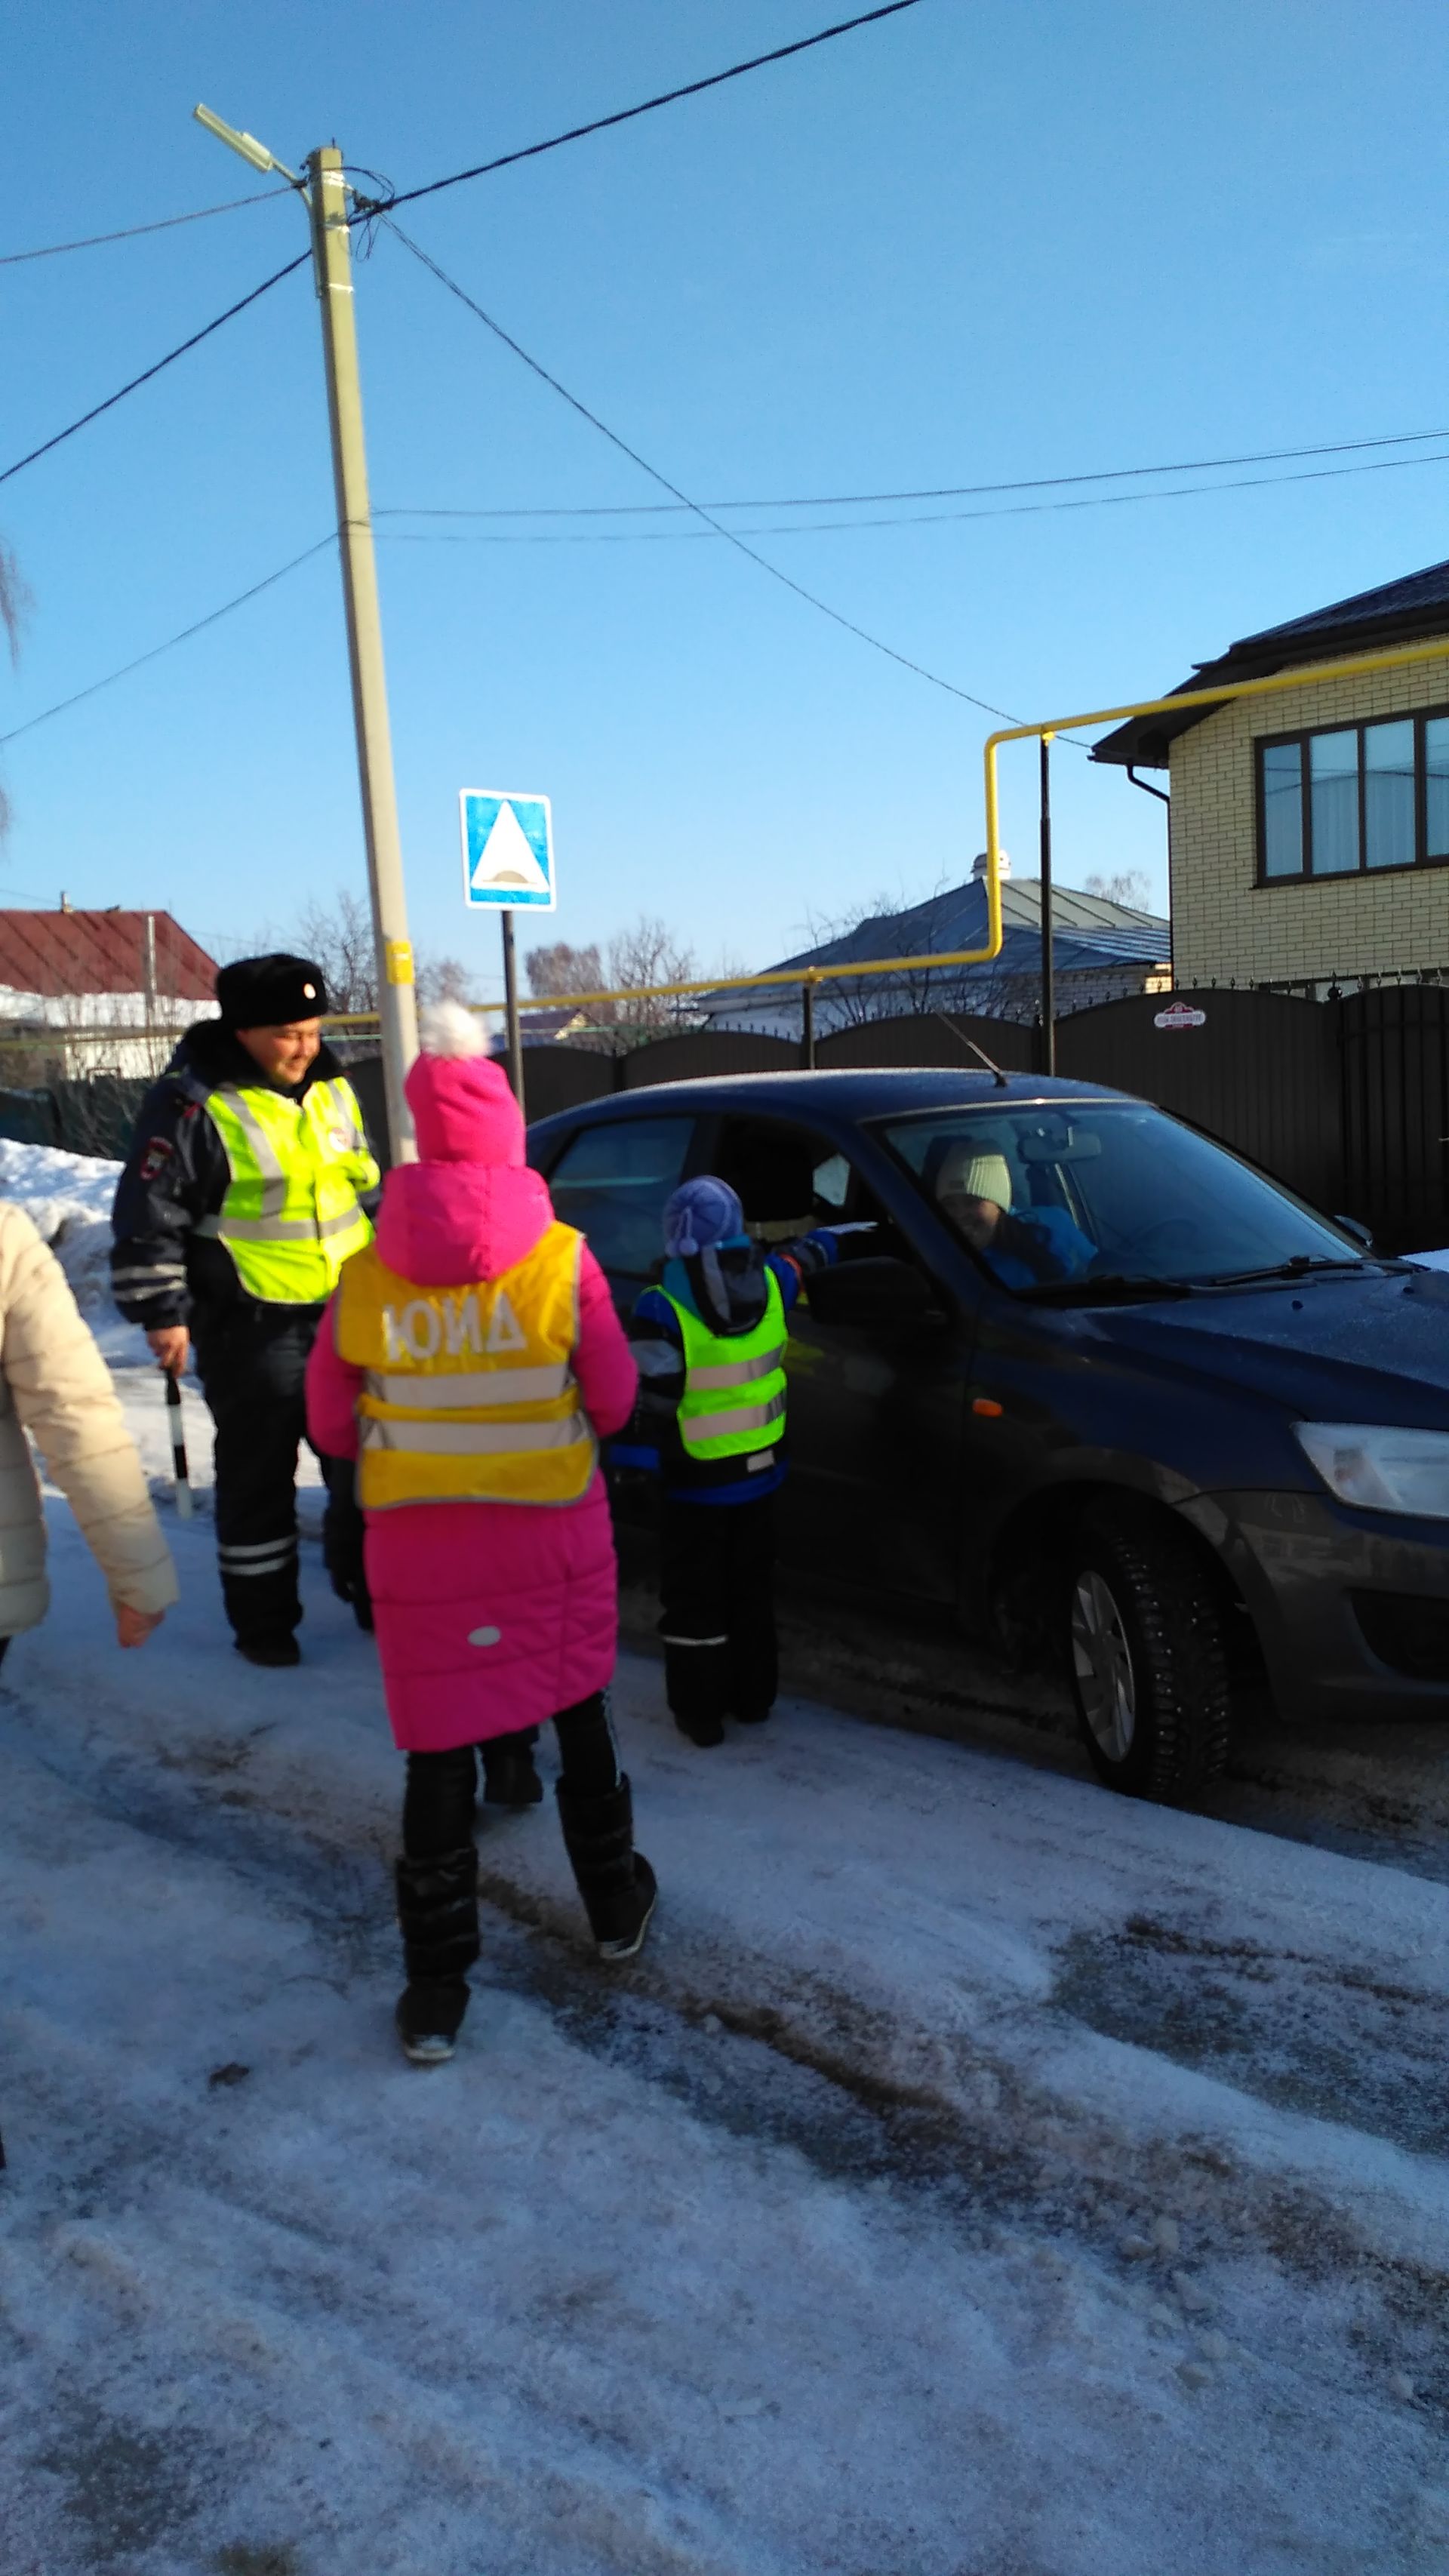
(290, 1216)
(734, 1384)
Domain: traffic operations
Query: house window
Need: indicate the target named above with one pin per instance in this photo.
(1354, 797)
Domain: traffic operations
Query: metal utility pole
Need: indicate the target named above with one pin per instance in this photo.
(511, 1012)
(1048, 964)
(149, 1001)
(326, 202)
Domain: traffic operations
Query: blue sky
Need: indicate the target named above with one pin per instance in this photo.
(970, 244)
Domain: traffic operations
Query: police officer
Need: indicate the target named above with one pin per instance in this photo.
(247, 1187)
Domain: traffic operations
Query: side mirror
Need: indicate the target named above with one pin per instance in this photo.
(881, 1291)
(1360, 1233)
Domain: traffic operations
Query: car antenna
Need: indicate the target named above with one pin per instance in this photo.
(973, 1049)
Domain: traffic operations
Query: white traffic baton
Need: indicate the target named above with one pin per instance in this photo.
(180, 1473)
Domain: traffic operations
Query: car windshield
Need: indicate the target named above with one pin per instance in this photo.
(1053, 1200)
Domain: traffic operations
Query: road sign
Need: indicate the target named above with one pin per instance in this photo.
(507, 851)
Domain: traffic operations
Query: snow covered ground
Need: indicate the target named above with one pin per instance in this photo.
(978, 2176)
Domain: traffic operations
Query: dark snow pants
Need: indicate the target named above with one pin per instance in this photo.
(252, 1361)
(717, 1595)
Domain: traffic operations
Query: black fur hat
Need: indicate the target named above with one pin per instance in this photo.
(268, 992)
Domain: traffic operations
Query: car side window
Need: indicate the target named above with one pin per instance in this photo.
(612, 1181)
(790, 1180)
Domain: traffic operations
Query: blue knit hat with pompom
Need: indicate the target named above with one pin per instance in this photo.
(701, 1213)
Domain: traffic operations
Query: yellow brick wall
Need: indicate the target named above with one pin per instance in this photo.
(1226, 927)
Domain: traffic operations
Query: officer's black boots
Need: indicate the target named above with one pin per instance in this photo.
(616, 1882)
(273, 1653)
(437, 1906)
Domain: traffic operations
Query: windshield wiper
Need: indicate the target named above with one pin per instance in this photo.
(1302, 1265)
(1113, 1288)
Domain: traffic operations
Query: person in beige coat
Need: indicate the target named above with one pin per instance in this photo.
(55, 1385)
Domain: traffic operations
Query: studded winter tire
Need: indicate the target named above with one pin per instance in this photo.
(1147, 1652)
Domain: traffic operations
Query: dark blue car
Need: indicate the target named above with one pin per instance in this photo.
(1083, 1378)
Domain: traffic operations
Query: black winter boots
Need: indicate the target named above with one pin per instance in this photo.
(509, 1776)
(437, 1907)
(616, 1882)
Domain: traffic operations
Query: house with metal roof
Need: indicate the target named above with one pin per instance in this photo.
(1309, 832)
(1102, 950)
(96, 992)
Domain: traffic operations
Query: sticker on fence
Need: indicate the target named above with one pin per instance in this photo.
(1180, 1015)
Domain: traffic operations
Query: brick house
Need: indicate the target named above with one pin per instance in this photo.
(1309, 834)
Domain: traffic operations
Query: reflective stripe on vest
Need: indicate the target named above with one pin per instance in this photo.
(713, 1423)
(290, 1217)
(468, 1393)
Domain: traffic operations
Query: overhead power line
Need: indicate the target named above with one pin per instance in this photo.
(729, 534)
(232, 310)
(367, 206)
(212, 618)
(936, 491)
(133, 232)
(840, 527)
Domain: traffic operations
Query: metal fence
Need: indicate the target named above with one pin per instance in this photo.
(1345, 1100)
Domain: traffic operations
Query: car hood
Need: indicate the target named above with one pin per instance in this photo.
(1335, 1348)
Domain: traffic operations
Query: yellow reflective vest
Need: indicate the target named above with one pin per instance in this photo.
(734, 1383)
(290, 1217)
(469, 1394)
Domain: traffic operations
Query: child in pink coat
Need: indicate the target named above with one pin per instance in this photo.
(492, 1616)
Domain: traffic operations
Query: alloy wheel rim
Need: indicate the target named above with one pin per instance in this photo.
(1102, 1664)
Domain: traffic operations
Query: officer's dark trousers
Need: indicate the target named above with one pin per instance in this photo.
(717, 1595)
(252, 1362)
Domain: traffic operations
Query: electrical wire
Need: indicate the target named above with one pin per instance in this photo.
(213, 617)
(731, 537)
(937, 492)
(837, 527)
(366, 207)
(232, 310)
(133, 232)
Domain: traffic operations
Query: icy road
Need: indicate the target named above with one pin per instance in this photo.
(978, 2176)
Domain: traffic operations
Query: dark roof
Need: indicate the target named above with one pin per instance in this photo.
(101, 952)
(1398, 612)
(1087, 930)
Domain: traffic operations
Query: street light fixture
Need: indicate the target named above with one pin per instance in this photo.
(246, 144)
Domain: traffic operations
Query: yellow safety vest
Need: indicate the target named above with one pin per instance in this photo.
(734, 1383)
(290, 1216)
(470, 1395)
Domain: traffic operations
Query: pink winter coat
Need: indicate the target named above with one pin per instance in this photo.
(490, 1616)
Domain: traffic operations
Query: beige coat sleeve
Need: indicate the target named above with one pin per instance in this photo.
(62, 1393)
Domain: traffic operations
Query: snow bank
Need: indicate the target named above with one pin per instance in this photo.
(69, 1197)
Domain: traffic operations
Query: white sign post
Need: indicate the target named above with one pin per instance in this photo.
(508, 868)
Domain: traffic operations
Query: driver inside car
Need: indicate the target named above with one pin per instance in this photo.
(1032, 1249)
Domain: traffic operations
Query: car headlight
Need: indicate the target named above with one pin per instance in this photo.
(1380, 1468)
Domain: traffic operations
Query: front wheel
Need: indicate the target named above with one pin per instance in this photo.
(1148, 1654)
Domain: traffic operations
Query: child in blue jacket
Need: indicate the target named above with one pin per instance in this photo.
(709, 1342)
